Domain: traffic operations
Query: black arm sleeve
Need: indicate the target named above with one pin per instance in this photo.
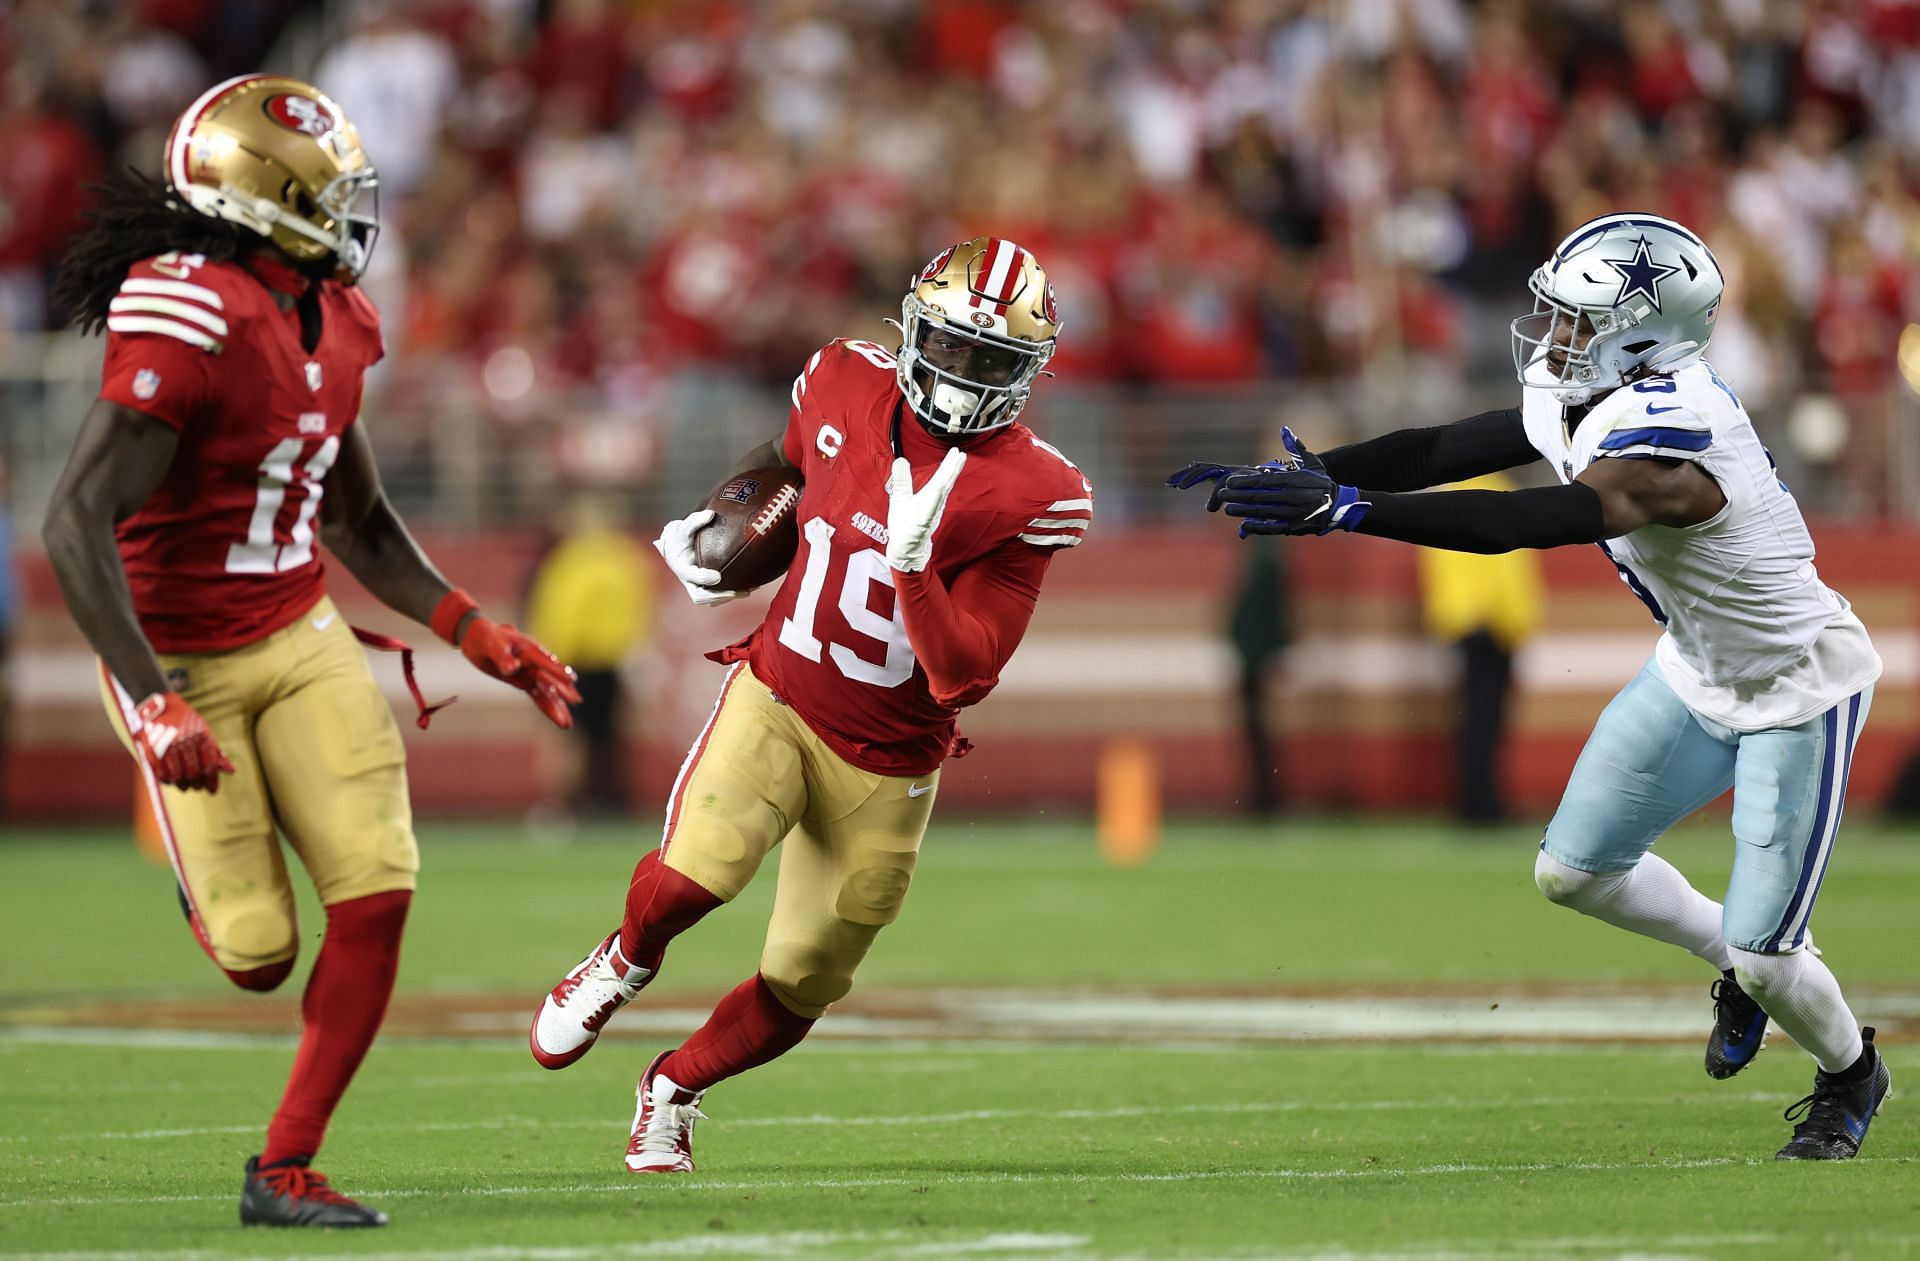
(1488, 520)
(1414, 459)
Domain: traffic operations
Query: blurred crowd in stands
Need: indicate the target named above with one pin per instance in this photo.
(587, 196)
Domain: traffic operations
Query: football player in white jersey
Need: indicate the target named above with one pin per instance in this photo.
(1761, 682)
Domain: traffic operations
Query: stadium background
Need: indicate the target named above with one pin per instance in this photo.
(615, 230)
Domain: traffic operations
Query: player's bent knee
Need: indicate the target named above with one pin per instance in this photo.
(875, 887)
(806, 979)
(1561, 884)
(1764, 976)
(256, 949)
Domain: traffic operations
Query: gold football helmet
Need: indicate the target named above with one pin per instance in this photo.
(278, 156)
(977, 329)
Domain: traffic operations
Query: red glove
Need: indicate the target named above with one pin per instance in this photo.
(174, 740)
(509, 655)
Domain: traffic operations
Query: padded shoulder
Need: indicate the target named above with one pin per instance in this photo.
(1051, 497)
(184, 298)
(1659, 417)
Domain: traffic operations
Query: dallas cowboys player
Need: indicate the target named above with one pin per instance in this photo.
(1761, 682)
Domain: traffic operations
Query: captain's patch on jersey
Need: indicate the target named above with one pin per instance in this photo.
(146, 384)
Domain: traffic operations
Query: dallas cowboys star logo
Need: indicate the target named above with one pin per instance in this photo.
(1640, 274)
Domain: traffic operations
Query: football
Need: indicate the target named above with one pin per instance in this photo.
(754, 533)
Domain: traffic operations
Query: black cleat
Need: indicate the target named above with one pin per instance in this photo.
(288, 1193)
(1834, 1118)
(1739, 1029)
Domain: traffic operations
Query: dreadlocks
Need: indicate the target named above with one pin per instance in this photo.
(137, 218)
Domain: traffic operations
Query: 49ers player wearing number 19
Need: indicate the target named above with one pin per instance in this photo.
(927, 522)
(225, 445)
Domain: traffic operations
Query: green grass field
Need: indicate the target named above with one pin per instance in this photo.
(1208, 1056)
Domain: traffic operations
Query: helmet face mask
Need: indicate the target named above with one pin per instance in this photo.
(1623, 297)
(354, 231)
(978, 328)
(278, 157)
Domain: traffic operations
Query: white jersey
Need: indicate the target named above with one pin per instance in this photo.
(1754, 639)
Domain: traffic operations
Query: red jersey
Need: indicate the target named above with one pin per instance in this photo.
(834, 644)
(223, 553)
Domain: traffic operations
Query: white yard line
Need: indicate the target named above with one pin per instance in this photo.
(687, 1186)
(900, 1245)
(1130, 1017)
(613, 1121)
(891, 1243)
(82, 1037)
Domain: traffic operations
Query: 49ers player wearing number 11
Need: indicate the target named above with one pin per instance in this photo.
(226, 444)
(927, 523)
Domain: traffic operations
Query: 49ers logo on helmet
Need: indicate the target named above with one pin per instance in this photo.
(938, 265)
(300, 113)
(1048, 307)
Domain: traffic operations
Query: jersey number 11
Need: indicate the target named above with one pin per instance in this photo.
(264, 552)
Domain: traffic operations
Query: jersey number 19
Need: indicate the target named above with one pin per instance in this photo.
(864, 568)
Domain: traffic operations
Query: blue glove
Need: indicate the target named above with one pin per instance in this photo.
(1291, 501)
(1194, 474)
(1292, 495)
(1302, 458)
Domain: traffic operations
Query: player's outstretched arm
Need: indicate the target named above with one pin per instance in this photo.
(1407, 459)
(360, 526)
(118, 461)
(1612, 497)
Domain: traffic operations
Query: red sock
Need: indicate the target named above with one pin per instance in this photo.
(748, 1028)
(661, 904)
(345, 1000)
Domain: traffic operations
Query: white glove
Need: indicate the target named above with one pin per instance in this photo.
(675, 546)
(913, 515)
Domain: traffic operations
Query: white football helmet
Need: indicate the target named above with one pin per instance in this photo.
(1623, 297)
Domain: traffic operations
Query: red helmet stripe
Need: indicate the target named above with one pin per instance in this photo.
(1003, 273)
(989, 259)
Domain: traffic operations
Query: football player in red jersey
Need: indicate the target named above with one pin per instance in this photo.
(224, 445)
(927, 523)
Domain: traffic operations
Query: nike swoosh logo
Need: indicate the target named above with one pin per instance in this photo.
(1659, 411)
(919, 790)
(321, 623)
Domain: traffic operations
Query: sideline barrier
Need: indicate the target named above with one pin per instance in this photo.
(1127, 643)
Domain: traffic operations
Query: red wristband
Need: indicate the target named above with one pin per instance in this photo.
(453, 606)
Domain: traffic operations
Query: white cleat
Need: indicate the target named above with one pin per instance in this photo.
(572, 1015)
(662, 1139)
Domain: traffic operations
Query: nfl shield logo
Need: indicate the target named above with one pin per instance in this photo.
(146, 383)
(313, 376)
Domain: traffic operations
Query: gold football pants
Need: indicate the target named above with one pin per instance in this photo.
(315, 750)
(758, 775)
